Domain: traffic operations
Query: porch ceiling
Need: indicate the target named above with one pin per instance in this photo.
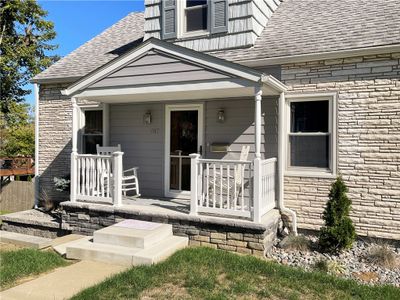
(160, 71)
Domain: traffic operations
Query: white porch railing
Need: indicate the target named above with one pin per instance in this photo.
(221, 187)
(232, 188)
(264, 187)
(96, 178)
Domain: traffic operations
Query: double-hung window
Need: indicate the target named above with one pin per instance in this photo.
(92, 131)
(311, 132)
(195, 16)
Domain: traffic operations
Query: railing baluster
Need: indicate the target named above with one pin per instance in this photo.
(97, 177)
(200, 184)
(242, 187)
(108, 177)
(214, 183)
(208, 184)
(221, 170)
(228, 186)
(78, 175)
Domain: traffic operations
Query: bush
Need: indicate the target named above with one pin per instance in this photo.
(383, 256)
(329, 266)
(338, 232)
(62, 184)
(299, 243)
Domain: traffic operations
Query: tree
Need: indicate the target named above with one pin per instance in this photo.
(338, 232)
(24, 43)
(17, 135)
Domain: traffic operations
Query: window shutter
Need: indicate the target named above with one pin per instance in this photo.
(169, 19)
(218, 16)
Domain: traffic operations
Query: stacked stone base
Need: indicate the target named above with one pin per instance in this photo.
(33, 222)
(220, 233)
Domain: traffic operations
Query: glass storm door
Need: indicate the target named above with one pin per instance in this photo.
(184, 134)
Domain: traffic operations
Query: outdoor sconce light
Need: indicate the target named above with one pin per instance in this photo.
(147, 118)
(221, 116)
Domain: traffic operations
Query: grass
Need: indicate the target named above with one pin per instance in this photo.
(202, 273)
(16, 265)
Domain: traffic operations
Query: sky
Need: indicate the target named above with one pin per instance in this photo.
(76, 22)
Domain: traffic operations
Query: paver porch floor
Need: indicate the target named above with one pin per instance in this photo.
(167, 205)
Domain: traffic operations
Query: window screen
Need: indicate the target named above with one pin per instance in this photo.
(196, 15)
(309, 136)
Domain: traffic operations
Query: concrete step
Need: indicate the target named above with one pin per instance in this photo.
(24, 240)
(133, 233)
(88, 250)
(162, 250)
(60, 244)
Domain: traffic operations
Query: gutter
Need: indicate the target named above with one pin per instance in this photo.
(37, 175)
(281, 164)
(274, 83)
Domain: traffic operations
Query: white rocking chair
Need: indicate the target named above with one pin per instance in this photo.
(130, 180)
(233, 183)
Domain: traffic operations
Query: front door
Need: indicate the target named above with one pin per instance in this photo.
(184, 132)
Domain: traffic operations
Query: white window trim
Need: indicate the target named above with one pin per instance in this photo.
(313, 172)
(83, 108)
(181, 22)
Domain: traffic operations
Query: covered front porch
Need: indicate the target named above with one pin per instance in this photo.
(166, 106)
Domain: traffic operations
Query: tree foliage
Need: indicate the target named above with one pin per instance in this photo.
(17, 134)
(24, 44)
(338, 232)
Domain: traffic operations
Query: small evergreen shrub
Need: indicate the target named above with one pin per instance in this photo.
(338, 232)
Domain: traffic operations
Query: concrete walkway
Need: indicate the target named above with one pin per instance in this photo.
(62, 283)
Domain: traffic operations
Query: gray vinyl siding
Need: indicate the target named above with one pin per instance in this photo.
(238, 128)
(143, 145)
(246, 21)
(156, 67)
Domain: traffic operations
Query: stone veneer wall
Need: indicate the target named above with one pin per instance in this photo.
(226, 234)
(55, 126)
(368, 133)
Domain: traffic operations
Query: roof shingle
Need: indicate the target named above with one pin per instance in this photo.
(297, 27)
(97, 51)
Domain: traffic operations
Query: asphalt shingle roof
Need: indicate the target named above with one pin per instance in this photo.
(314, 26)
(297, 27)
(99, 50)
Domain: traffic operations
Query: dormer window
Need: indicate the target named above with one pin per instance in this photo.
(195, 15)
(190, 18)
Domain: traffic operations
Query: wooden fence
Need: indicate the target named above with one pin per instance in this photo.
(17, 196)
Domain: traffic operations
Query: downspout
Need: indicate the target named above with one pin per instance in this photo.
(281, 165)
(37, 175)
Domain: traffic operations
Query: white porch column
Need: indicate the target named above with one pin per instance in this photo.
(257, 121)
(117, 175)
(74, 153)
(281, 150)
(257, 160)
(194, 171)
(37, 175)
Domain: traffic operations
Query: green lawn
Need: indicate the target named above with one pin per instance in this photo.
(202, 273)
(21, 263)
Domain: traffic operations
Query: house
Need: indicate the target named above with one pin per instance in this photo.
(312, 86)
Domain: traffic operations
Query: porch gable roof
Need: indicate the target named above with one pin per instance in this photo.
(157, 63)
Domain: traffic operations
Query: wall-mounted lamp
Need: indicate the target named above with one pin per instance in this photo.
(147, 118)
(221, 116)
